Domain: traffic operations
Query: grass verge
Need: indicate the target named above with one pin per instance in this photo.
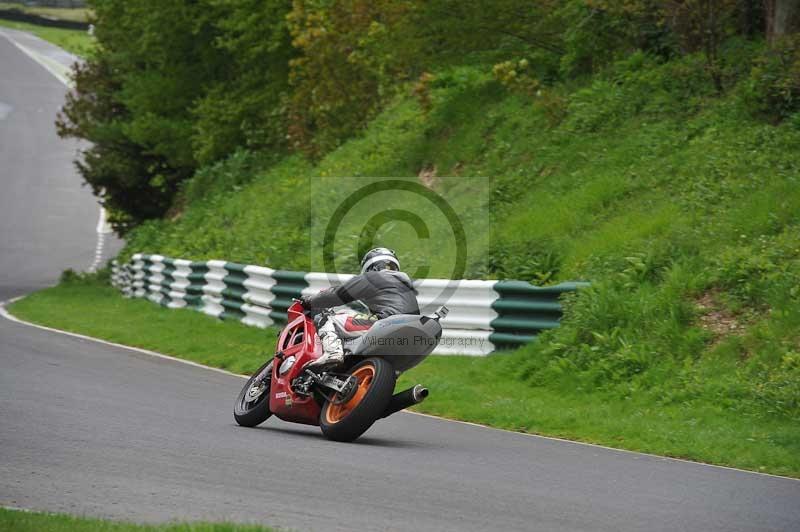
(480, 390)
(74, 14)
(97, 310)
(76, 42)
(23, 521)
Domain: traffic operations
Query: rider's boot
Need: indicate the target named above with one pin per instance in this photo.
(332, 351)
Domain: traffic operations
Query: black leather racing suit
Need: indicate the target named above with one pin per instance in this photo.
(385, 292)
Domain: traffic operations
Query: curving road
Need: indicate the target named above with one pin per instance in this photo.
(90, 428)
(48, 219)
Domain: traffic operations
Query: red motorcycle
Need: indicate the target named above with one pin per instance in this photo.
(346, 401)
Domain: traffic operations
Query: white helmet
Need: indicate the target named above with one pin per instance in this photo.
(379, 259)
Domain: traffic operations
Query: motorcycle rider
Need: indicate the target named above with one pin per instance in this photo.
(382, 287)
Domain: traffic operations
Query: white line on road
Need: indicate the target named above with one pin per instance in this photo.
(17, 509)
(58, 70)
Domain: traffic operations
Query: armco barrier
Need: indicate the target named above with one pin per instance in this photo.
(484, 315)
(19, 16)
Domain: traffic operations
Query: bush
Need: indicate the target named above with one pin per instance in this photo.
(70, 276)
(773, 88)
(244, 105)
(226, 176)
(639, 84)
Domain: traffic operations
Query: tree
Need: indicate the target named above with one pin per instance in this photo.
(174, 84)
(350, 56)
(783, 17)
(245, 104)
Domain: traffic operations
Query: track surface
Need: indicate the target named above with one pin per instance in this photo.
(88, 428)
(48, 219)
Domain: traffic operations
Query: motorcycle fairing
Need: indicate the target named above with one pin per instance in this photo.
(298, 339)
(404, 340)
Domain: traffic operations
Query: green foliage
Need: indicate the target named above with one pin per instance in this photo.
(754, 272)
(245, 105)
(176, 85)
(778, 389)
(224, 177)
(484, 31)
(172, 85)
(773, 89)
(238, 212)
(70, 276)
(516, 76)
(114, 165)
(639, 85)
(667, 28)
(348, 63)
(598, 32)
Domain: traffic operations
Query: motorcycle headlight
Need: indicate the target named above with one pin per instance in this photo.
(286, 365)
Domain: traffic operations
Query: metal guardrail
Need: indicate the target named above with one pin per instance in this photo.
(16, 15)
(484, 315)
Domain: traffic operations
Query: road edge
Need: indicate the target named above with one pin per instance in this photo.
(4, 312)
(60, 72)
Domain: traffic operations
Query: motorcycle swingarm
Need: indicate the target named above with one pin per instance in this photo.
(332, 384)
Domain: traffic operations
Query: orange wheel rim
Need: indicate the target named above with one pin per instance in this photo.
(364, 376)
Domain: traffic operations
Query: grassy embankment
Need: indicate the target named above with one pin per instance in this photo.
(21, 521)
(77, 42)
(678, 204)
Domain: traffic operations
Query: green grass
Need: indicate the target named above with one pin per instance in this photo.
(481, 390)
(23, 521)
(77, 42)
(140, 323)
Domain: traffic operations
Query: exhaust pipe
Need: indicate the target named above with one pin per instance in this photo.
(406, 398)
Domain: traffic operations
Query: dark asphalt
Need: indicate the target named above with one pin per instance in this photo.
(88, 428)
(48, 219)
(93, 429)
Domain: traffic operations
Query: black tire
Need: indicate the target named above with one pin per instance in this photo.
(368, 410)
(250, 414)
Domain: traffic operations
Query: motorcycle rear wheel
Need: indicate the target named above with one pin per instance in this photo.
(348, 420)
(249, 413)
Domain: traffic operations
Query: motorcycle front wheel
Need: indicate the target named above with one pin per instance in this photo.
(347, 420)
(252, 405)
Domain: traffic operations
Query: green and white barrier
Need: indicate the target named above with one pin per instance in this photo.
(484, 315)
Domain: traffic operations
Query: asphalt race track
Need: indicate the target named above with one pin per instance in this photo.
(48, 220)
(89, 428)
